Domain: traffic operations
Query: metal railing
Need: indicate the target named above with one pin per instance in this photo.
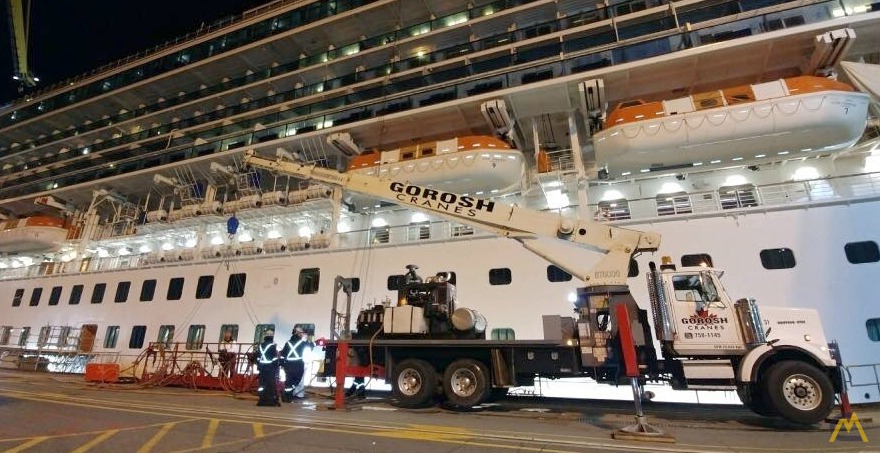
(867, 377)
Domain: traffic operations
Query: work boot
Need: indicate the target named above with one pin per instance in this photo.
(351, 390)
(361, 392)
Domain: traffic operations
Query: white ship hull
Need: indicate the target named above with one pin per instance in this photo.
(822, 279)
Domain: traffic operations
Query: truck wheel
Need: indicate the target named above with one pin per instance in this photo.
(799, 392)
(413, 383)
(466, 383)
(753, 398)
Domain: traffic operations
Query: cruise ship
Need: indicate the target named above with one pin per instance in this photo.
(744, 132)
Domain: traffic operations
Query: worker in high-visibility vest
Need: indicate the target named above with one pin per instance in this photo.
(267, 364)
(294, 366)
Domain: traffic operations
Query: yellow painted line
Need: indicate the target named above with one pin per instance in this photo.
(209, 434)
(27, 444)
(258, 430)
(156, 438)
(94, 442)
(239, 441)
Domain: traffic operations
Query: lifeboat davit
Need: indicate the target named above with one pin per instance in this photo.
(766, 120)
(32, 234)
(471, 165)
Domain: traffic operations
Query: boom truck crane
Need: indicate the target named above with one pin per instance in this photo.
(777, 359)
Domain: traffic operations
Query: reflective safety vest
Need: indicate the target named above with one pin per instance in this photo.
(264, 359)
(293, 353)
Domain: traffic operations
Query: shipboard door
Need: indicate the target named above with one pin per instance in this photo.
(87, 337)
(704, 318)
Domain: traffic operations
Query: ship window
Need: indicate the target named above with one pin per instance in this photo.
(261, 330)
(379, 235)
(613, 210)
(196, 336)
(235, 287)
(205, 287)
(111, 337)
(55, 295)
(309, 280)
(122, 291)
(395, 282)
(35, 297)
(175, 288)
(503, 333)
(16, 299)
(148, 290)
(555, 274)
(873, 326)
(698, 259)
(23, 338)
(462, 230)
(408, 155)
(741, 196)
(98, 293)
(673, 203)
(418, 231)
(75, 294)
(782, 258)
(4, 335)
(862, 252)
(500, 276)
(428, 152)
(138, 333)
(166, 335)
(233, 332)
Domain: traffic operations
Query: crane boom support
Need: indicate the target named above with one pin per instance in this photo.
(521, 224)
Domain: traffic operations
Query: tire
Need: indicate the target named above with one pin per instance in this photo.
(466, 383)
(413, 383)
(799, 392)
(753, 398)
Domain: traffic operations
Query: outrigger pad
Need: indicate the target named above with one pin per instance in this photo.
(642, 432)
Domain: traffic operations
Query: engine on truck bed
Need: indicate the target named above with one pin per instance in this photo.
(424, 308)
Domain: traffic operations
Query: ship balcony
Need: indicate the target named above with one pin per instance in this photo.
(572, 30)
(344, 107)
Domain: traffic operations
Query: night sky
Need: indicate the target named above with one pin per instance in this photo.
(68, 38)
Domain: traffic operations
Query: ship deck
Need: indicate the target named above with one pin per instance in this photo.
(51, 412)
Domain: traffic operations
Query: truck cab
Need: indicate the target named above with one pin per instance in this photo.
(777, 359)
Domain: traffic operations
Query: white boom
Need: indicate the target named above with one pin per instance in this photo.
(524, 225)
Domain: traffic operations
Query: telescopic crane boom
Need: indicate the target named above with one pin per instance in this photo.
(524, 225)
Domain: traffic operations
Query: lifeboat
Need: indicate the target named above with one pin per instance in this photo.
(766, 120)
(33, 234)
(469, 164)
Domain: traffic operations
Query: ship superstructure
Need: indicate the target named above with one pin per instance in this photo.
(140, 162)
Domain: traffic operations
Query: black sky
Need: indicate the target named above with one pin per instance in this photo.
(68, 38)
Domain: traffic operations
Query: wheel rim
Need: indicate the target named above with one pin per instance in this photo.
(802, 392)
(464, 382)
(409, 382)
